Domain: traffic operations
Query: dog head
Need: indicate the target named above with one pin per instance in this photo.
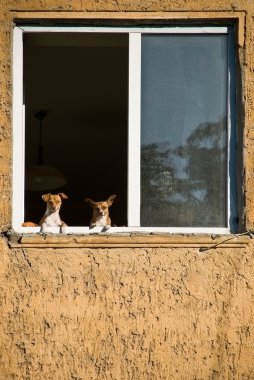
(101, 208)
(54, 201)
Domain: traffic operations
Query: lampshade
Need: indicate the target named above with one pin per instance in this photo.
(44, 177)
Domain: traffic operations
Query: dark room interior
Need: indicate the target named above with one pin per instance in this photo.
(80, 80)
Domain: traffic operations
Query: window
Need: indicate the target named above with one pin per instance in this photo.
(143, 113)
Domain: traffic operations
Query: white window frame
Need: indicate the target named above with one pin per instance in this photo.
(134, 127)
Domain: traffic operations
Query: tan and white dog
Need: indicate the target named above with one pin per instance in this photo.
(51, 218)
(100, 216)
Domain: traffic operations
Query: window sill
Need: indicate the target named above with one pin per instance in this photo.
(129, 240)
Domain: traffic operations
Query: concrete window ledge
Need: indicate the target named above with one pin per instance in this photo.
(239, 16)
(131, 240)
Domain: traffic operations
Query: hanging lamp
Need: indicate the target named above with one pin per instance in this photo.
(43, 177)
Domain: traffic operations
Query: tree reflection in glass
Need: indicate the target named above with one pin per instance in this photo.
(184, 131)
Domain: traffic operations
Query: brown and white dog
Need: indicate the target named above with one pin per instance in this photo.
(100, 216)
(51, 218)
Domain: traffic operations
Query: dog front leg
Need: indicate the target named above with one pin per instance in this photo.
(44, 228)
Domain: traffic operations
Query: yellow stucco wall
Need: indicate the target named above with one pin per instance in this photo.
(136, 309)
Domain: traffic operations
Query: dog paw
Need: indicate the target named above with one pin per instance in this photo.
(63, 230)
(92, 226)
(106, 228)
(43, 229)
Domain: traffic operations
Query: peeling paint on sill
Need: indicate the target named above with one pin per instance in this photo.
(132, 240)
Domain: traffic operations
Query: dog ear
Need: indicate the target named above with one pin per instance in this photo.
(111, 199)
(62, 195)
(91, 203)
(45, 197)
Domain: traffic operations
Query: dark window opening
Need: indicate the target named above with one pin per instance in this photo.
(81, 80)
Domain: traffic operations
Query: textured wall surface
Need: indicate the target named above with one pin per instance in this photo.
(127, 313)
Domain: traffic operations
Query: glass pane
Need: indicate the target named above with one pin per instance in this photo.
(184, 130)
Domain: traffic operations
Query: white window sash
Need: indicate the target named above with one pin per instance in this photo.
(129, 29)
(18, 118)
(133, 128)
(134, 132)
